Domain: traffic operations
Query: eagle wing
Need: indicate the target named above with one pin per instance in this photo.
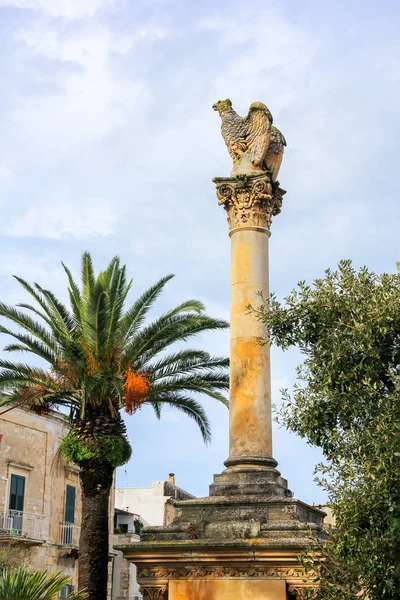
(274, 155)
(259, 125)
(234, 130)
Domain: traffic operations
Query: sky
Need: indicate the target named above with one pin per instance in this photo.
(109, 144)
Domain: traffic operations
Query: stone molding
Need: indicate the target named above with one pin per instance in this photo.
(154, 592)
(250, 202)
(253, 461)
(199, 572)
(19, 465)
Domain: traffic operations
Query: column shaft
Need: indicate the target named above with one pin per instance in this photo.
(250, 383)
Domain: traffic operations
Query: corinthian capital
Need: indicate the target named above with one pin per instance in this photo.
(154, 592)
(250, 201)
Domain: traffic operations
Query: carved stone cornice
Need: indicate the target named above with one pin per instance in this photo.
(207, 572)
(154, 592)
(250, 202)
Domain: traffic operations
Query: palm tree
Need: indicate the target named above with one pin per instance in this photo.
(102, 359)
(20, 584)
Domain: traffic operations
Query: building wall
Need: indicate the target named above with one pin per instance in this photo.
(125, 585)
(126, 520)
(147, 502)
(151, 502)
(155, 507)
(330, 519)
(29, 447)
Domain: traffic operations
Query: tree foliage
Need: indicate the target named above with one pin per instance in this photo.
(99, 354)
(346, 402)
(99, 357)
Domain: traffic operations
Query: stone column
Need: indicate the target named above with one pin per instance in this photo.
(250, 202)
(243, 539)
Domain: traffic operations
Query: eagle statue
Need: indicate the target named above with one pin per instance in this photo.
(254, 144)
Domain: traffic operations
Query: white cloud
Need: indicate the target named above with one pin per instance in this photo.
(5, 174)
(62, 218)
(44, 269)
(70, 9)
(7, 182)
(265, 45)
(91, 101)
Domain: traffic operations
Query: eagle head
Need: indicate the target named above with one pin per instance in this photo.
(260, 106)
(222, 106)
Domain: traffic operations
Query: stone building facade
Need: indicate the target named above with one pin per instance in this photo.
(152, 506)
(40, 496)
(152, 503)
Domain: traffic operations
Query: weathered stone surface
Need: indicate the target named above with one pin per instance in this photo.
(249, 203)
(227, 590)
(239, 517)
(243, 536)
(242, 541)
(253, 143)
(250, 200)
(244, 481)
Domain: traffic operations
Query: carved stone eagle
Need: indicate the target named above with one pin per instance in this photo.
(254, 144)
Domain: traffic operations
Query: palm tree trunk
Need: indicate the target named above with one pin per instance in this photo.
(96, 480)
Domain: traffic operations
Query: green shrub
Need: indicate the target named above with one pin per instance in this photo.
(115, 449)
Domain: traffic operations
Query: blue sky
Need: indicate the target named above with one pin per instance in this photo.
(109, 144)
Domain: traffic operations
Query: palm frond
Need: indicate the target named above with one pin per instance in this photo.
(166, 330)
(185, 362)
(25, 321)
(29, 345)
(207, 384)
(24, 369)
(37, 312)
(119, 289)
(135, 316)
(17, 584)
(39, 299)
(74, 295)
(88, 277)
(61, 317)
(189, 407)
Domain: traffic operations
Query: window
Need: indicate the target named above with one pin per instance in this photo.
(69, 514)
(17, 493)
(70, 496)
(16, 502)
(66, 590)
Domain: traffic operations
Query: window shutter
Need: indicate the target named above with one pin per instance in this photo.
(70, 497)
(17, 492)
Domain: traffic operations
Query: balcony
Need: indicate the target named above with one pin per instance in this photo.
(28, 528)
(69, 535)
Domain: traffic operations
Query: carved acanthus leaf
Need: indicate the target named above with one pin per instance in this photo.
(154, 592)
(250, 201)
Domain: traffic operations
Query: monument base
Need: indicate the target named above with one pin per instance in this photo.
(230, 546)
(249, 475)
(228, 589)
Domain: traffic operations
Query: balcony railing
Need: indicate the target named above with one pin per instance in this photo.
(69, 534)
(19, 523)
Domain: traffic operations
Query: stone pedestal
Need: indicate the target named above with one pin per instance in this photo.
(242, 541)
